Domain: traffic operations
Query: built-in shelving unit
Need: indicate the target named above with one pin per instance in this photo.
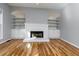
(18, 23)
(53, 23)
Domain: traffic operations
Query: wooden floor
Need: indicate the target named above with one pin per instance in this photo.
(56, 47)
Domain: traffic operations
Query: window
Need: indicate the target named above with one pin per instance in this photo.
(1, 24)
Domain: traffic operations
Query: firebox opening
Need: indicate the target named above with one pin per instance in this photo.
(36, 34)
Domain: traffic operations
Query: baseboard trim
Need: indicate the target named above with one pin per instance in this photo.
(70, 43)
(4, 41)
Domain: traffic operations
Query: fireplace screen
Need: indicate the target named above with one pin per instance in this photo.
(36, 34)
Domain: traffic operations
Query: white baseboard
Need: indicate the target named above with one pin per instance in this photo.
(70, 43)
(4, 41)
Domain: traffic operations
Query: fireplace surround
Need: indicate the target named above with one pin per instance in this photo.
(36, 33)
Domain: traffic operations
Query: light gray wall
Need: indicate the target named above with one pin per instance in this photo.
(34, 15)
(6, 21)
(70, 23)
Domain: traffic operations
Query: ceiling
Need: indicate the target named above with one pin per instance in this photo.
(57, 6)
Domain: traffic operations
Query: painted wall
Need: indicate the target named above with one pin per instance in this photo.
(70, 23)
(6, 22)
(35, 16)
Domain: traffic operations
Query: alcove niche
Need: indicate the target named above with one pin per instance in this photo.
(18, 24)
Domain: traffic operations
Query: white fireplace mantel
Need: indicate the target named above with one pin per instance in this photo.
(36, 27)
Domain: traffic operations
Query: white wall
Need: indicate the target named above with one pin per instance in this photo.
(70, 23)
(36, 16)
(6, 22)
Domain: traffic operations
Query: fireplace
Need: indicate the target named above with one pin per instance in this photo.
(36, 34)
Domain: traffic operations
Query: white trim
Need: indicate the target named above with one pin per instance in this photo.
(1, 24)
(4, 41)
(70, 43)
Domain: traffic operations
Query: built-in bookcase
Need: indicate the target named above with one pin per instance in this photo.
(53, 24)
(18, 23)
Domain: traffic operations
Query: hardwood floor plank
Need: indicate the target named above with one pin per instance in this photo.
(55, 47)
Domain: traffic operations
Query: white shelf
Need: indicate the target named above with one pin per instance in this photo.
(18, 23)
(53, 24)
